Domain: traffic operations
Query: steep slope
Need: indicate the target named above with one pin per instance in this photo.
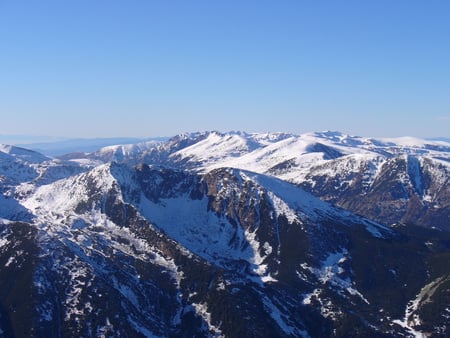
(405, 188)
(218, 148)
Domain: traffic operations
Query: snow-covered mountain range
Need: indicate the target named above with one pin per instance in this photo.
(389, 180)
(228, 235)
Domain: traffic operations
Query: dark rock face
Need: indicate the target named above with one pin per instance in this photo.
(18, 256)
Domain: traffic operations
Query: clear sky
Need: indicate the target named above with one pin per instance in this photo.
(142, 68)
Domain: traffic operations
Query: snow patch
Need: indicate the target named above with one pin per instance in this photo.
(201, 309)
(331, 272)
(10, 261)
(3, 242)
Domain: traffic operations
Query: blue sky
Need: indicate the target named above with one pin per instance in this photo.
(137, 68)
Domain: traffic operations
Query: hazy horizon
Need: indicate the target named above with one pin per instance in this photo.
(49, 140)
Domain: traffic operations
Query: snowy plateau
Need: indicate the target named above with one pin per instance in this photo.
(233, 234)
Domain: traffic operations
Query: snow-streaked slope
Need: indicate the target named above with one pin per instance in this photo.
(75, 211)
(190, 223)
(63, 196)
(15, 171)
(19, 165)
(186, 220)
(292, 150)
(220, 148)
(301, 204)
(213, 234)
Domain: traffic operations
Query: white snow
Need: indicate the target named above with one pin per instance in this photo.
(215, 147)
(331, 272)
(327, 308)
(202, 310)
(282, 208)
(279, 318)
(10, 261)
(288, 199)
(414, 142)
(282, 319)
(76, 270)
(3, 242)
(87, 163)
(121, 151)
(201, 231)
(64, 195)
(236, 150)
(375, 228)
(307, 300)
(22, 154)
(298, 205)
(262, 159)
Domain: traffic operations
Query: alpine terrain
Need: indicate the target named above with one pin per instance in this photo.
(233, 234)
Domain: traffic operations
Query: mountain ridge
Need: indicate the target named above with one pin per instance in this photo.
(326, 164)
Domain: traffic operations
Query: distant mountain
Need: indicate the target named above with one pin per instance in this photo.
(22, 154)
(62, 147)
(215, 235)
(444, 139)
